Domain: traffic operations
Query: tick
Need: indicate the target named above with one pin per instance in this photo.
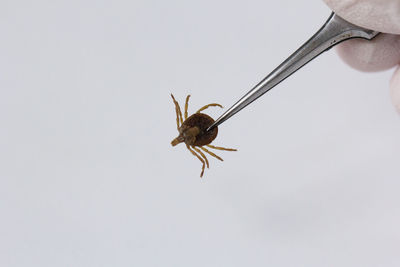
(193, 132)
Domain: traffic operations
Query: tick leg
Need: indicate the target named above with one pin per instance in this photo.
(211, 153)
(202, 154)
(202, 160)
(222, 148)
(186, 106)
(209, 105)
(179, 119)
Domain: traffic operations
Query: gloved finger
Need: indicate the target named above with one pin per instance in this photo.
(383, 52)
(378, 15)
(395, 89)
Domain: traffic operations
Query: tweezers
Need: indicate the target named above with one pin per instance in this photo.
(334, 31)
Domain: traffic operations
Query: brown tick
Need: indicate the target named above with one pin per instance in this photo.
(193, 132)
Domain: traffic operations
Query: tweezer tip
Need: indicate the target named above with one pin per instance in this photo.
(212, 126)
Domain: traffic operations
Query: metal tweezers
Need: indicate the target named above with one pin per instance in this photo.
(334, 31)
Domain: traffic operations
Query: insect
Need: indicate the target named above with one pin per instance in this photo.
(193, 132)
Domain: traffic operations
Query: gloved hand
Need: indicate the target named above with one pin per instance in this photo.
(381, 53)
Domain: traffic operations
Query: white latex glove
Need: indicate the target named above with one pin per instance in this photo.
(381, 53)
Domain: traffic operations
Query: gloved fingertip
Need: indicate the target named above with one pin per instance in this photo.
(379, 54)
(349, 52)
(378, 15)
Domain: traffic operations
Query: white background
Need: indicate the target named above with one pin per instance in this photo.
(87, 173)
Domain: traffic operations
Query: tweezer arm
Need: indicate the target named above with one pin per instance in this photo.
(334, 31)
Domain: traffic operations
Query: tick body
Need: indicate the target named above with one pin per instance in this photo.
(193, 132)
